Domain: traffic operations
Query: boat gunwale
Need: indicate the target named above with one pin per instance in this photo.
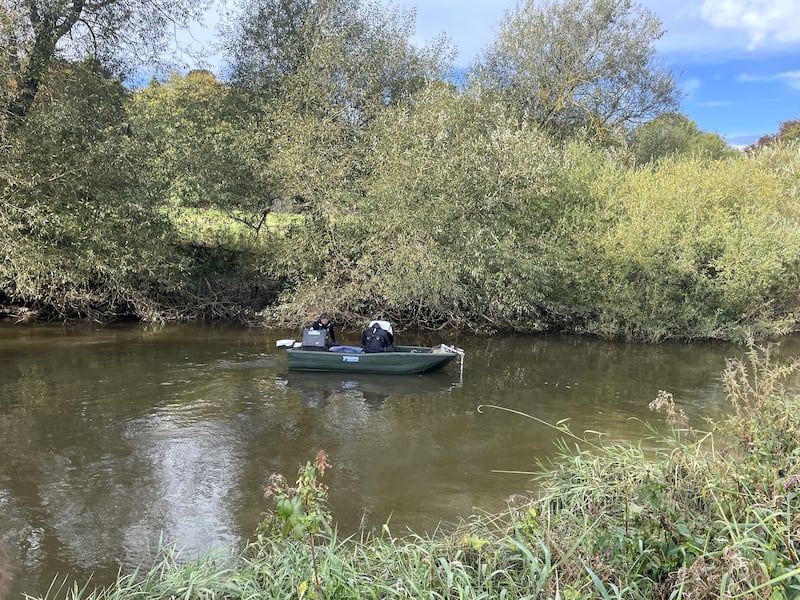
(405, 360)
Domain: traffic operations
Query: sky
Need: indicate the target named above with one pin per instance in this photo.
(736, 61)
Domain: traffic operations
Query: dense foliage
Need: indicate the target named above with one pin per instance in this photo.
(80, 235)
(787, 132)
(339, 167)
(119, 33)
(674, 134)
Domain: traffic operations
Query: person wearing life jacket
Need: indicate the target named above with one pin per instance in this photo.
(324, 323)
(376, 339)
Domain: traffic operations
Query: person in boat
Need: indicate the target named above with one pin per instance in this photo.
(324, 323)
(377, 339)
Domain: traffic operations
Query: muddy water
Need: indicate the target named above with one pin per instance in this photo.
(114, 438)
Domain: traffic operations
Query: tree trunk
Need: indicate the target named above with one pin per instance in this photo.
(48, 28)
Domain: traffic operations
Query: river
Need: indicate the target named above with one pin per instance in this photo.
(116, 437)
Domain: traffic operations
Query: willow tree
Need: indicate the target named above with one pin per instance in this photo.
(580, 68)
(322, 73)
(82, 235)
(112, 32)
(322, 70)
(457, 223)
(347, 57)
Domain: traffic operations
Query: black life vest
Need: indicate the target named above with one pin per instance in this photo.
(376, 339)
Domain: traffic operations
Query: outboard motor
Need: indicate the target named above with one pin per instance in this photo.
(314, 339)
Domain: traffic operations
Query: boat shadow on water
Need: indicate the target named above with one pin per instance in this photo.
(317, 389)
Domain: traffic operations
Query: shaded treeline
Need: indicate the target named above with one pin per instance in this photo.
(338, 167)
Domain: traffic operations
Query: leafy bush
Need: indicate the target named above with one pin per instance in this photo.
(452, 223)
(694, 249)
(81, 237)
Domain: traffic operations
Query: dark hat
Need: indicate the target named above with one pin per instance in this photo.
(324, 316)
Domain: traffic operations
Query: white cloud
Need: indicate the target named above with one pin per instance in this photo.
(791, 78)
(763, 19)
(715, 104)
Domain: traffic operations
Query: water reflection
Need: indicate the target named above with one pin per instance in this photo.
(5, 573)
(316, 390)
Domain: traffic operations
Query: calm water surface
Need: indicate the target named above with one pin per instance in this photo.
(112, 438)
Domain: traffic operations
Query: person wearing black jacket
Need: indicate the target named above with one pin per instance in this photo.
(324, 323)
(376, 339)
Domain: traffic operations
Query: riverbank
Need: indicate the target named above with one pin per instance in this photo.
(692, 514)
(294, 317)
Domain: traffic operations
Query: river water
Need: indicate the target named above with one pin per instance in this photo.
(114, 438)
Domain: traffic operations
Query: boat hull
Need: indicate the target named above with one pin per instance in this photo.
(405, 360)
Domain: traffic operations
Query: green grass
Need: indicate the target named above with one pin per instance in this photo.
(216, 227)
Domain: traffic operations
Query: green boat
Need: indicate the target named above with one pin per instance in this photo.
(405, 360)
(314, 353)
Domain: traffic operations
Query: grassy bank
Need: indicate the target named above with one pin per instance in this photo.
(693, 514)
